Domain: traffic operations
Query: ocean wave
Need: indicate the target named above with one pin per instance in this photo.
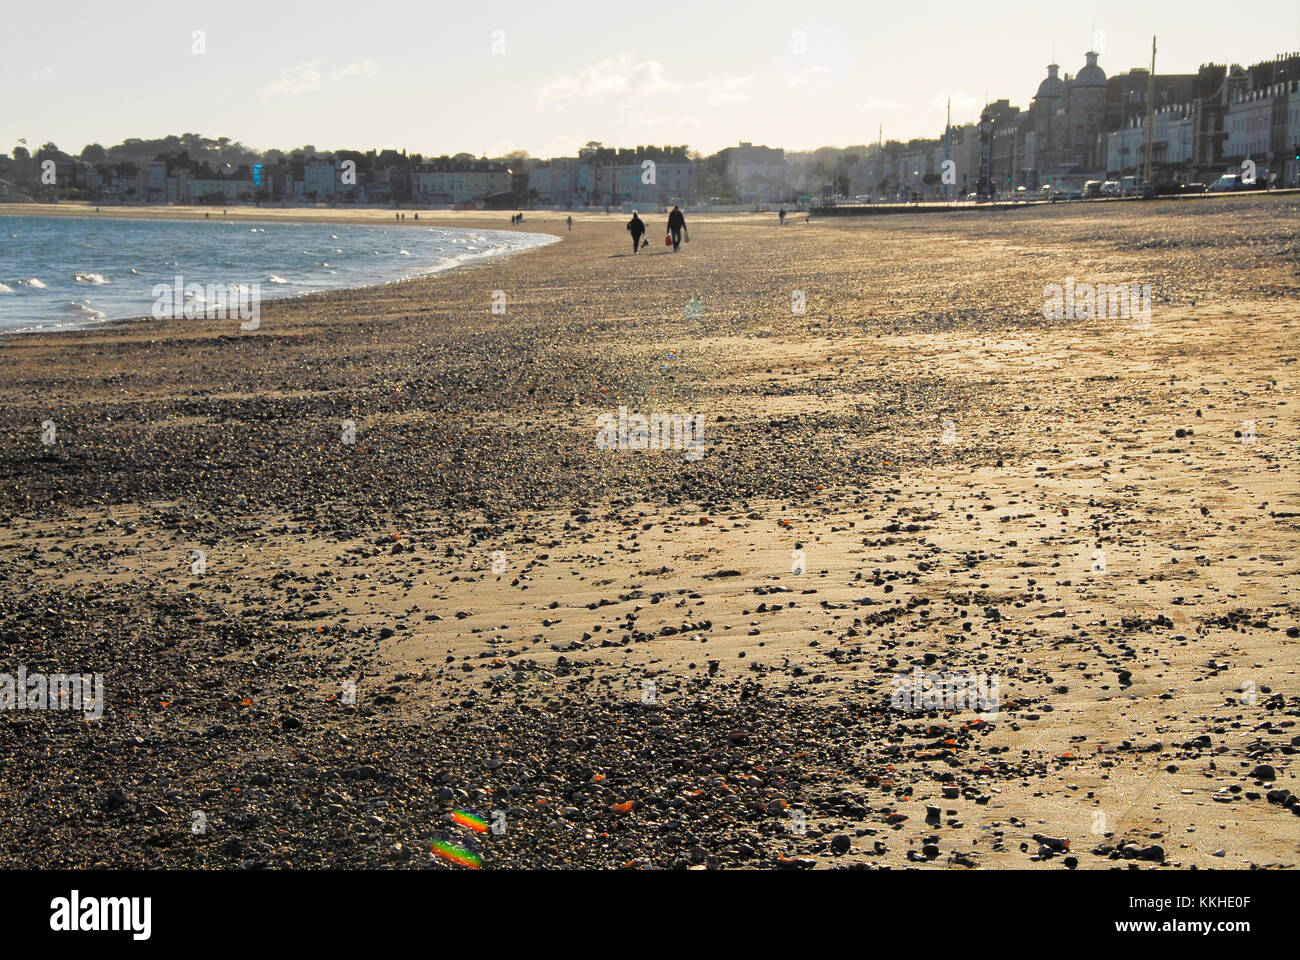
(274, 279)
(95, 279)
(83, 310)
(5, 288)
(35, 283)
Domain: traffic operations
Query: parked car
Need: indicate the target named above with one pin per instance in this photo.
(1110, 188)
(1092, 189)
(1228, 183)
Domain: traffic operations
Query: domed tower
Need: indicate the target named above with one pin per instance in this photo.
(1091, 75)
(1087, 114)
(1047, 122)
(1052, 88)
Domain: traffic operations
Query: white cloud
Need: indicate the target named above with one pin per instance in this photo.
(960, 103)
(307, 77)
(558, 145)
(622, 79)
(666, 120)
(365, 70)
(876, 106)
(811, 78)
(301, 78)
(727, 90)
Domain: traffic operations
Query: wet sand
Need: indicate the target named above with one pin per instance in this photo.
(612, 647)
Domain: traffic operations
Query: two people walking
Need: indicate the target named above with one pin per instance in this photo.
(676, 230)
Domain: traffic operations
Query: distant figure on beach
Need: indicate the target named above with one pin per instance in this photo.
(781, 216)
(570, 223)
(636, 227)
(676, 224)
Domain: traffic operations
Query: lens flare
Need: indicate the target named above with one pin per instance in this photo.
(455, 854)
(469, 820)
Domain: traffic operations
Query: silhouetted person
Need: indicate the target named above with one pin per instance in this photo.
(636, 227)
(676, 224)
(570, 223)
(781, 216)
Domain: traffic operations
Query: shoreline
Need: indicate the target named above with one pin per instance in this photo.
(481, 219)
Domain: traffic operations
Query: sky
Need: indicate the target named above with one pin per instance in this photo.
(491, 77)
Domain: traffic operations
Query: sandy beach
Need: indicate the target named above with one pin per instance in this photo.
(368, 564)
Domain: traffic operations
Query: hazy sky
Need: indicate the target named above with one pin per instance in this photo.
(425, 76)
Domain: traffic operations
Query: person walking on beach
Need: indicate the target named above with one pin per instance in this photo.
(676, 224)
(570, 223)
(636, 226)
(781, 216)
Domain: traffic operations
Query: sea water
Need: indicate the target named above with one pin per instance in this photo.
(74, 271)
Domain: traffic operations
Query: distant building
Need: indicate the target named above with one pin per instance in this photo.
(760, 174)
(559, 182)
(320, 179)
(459, 181)
(208, 189)
(1231, 114)
(650, 177)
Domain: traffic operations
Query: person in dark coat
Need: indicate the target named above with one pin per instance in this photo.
(676, 224)
(636, 226)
